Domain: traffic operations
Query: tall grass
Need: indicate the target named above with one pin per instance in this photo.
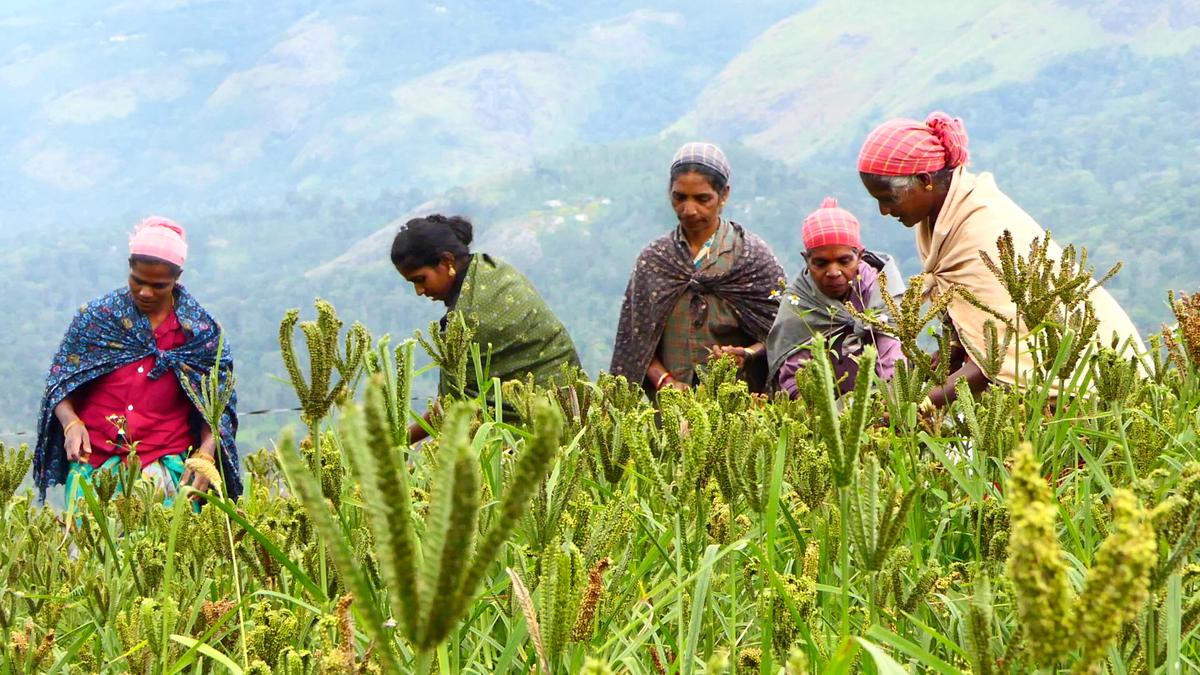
(577, 529)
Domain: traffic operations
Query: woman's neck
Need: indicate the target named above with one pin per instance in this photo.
(696, 238)
(941, 193)
(463, 267)
(157, 316)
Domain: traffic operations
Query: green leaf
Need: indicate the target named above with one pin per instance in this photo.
(913, 650)
(208, 651)
(699, 601)
(884, 664)
(228, 508)
(305, 485)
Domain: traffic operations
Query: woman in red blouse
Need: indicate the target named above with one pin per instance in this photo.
(133, 406)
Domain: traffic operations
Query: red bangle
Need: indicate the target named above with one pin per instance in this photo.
(662, 378)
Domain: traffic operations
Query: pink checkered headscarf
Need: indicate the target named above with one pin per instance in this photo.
(830, 225)
(160, 238)
(904, 147)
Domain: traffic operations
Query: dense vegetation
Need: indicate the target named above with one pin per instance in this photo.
(1008, 534)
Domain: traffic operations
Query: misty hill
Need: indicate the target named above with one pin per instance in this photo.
(559, 153)
(186, 106)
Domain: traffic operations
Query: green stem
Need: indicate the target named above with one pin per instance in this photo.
(844, 557)
(424, 662)
(1151, 646)
(237, 585)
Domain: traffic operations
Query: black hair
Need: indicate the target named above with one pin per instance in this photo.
(715, 179)
(138, 258)
(423, 241)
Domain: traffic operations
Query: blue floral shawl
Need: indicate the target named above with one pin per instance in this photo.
(110, 332)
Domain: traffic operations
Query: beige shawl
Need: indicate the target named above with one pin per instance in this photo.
(974, 215)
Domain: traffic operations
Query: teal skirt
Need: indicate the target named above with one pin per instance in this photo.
(166, 472)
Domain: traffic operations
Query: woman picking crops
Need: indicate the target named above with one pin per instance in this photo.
(837, 270)
(115, 389)
(703, 289)
(917, 172)
(517, 332)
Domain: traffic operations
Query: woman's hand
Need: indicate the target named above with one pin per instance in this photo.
(77, 441)
(739, 354)
(207, 452)
(416, 432)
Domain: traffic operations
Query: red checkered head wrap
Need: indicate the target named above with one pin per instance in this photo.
(160, 238)
(904, 147)
(830, 225)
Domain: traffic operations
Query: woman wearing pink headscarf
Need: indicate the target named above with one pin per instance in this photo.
(838, 270)
(116, 388)
(917, 172)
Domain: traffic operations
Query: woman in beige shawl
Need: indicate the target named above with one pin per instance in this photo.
(917, 172)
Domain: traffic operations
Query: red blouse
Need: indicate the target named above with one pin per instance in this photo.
(156, 412)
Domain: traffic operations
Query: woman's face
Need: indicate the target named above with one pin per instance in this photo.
(910, 205)
(152, 286)
(697, 204)
(435, 282)
(833, 267)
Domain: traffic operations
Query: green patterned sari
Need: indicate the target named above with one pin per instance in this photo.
(514, 326)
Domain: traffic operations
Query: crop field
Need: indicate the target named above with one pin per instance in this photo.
(579, 529)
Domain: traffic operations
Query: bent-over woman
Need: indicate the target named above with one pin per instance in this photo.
(514, 327)
(917, 172)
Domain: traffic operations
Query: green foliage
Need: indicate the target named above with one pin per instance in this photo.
(877, 514)
(319, 392)
(450, 349)
(14, 464)
(794, 535)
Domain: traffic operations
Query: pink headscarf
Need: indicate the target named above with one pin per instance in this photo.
(904, 147)
(830, 225)
(160, 238)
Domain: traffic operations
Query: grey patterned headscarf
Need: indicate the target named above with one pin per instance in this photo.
(704, 154)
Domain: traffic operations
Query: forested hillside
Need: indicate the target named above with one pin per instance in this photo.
(1096, 137)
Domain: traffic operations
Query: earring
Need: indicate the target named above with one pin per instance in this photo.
(453, 272)
(928, 188)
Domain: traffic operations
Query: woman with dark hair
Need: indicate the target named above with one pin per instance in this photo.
(708, 287)
(917, 172)
(514, 327)
(116, 386)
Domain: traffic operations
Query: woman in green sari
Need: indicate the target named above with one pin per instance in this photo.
(514, 327)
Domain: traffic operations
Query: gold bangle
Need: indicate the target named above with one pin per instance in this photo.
(208, 458)
(662, 378)
(71, 424)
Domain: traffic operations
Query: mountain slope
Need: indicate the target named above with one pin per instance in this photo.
(835, 69)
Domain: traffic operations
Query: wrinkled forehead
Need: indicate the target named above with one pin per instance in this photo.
(830, 253)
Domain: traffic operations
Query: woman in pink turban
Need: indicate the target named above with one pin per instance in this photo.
(837, 270)
(917, 172)
(116, 393)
